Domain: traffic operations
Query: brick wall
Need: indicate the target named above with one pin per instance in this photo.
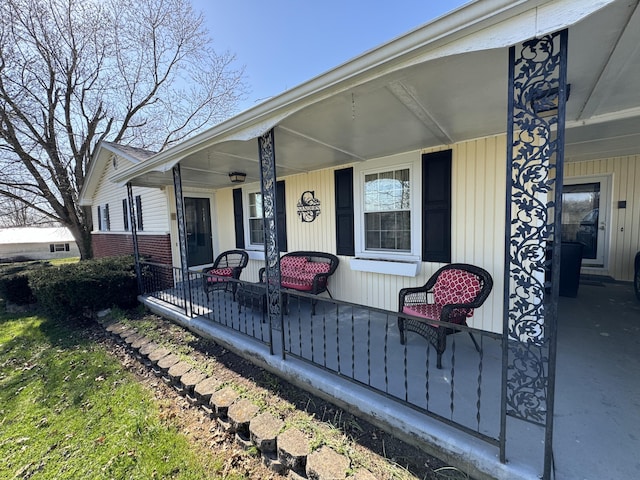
(155, 248)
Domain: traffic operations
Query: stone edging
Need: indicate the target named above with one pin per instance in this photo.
(286, 452)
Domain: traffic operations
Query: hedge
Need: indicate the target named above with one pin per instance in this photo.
(90, 285)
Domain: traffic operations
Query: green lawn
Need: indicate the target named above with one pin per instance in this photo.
(69, 411)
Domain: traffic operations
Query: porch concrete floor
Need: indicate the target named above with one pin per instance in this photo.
(597, 413)
(597, 409)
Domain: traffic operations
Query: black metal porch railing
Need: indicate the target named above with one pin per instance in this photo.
(360, 344)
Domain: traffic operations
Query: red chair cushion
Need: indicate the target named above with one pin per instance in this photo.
(219, 272)
(456, 286)
(293, 263)
(317, 267)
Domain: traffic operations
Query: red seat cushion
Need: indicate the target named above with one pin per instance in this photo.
(219, 272)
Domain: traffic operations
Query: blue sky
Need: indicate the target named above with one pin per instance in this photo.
(283, 43)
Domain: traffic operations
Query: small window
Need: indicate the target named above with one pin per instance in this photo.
(256, 223)
(59, 247)
(103, 217)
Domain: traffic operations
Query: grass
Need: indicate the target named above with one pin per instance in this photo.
(68, 410)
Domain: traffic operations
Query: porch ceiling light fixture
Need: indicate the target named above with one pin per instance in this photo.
(237, 177)
(545, 102)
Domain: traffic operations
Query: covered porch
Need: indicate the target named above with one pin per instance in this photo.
(352, 355)
(493, 86)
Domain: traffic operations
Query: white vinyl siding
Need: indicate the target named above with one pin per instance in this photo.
(154, 204)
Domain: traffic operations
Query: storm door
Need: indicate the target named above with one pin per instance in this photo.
(198, 221)
(585, 206)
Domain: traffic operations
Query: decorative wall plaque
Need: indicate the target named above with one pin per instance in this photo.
(308, 206)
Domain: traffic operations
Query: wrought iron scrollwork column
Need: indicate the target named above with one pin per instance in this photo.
(535, 157)
(266, 145)
(134, 237)
(182, 237)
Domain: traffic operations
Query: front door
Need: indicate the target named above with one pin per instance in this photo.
(585, 207)
(198, 220)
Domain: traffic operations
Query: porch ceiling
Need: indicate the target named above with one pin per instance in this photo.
(438, 101)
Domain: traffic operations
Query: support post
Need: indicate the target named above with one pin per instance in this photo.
(134, 237)
(535, 157)
(182, 238)
(266, 147)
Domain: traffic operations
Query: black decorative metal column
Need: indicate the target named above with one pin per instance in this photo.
(182, 237)
(535, 156)
(266, 145)
(134, 237)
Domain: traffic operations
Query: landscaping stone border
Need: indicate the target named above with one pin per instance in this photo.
(286, 451)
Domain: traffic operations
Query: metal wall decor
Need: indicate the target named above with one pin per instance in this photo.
(272, 252)
(308, 206)
(535, 155)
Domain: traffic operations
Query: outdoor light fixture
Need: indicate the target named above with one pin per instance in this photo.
(237, 177)
(545, 102)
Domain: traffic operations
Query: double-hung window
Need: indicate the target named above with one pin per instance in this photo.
(387, 211)
(256, 223)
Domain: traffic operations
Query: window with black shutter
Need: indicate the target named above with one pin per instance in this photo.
(139, 223)
(125, 213)
(345, 241)
(436, 206)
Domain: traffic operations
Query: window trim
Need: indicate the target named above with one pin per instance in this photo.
(246, 193)
(413, 163)
(104, 222)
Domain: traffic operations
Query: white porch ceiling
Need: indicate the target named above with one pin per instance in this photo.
(441, 101)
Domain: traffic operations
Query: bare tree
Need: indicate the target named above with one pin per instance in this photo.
(75, 72)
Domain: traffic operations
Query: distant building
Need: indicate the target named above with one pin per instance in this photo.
(33, 243)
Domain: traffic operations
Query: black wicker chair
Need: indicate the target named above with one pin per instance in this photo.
(450, 296)
(228, 265)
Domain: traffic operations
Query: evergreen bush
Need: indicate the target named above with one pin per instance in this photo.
(88, 286)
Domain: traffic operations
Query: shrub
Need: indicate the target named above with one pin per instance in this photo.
(14, 282)
(72, 289)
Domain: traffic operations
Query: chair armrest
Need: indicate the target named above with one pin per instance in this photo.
(261, 275)
(415, 294)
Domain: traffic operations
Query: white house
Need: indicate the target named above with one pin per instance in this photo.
(455, 142)
(36, 243)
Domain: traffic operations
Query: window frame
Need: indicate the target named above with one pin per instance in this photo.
(104, 224)
(249, 244)
(389, 164)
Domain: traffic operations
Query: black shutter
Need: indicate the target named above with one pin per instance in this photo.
(125, 213)
(106, 216)
(139, 225)
(436, 207)
(281, 216)
(238, 220)
(52, 248)
(345, 241)
(66, 247)
(99, 217)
